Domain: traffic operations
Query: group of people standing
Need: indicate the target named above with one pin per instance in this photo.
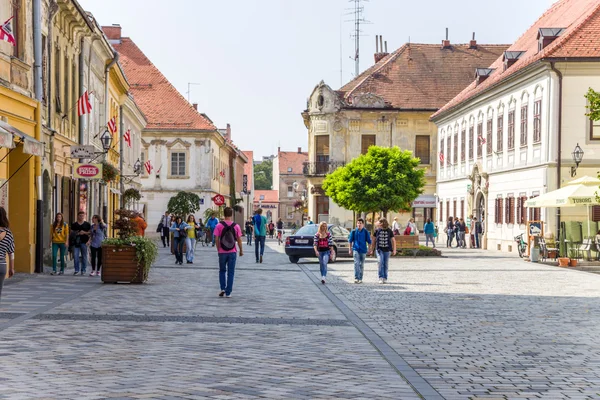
(457, 229)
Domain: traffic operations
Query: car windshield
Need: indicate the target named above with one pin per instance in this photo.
(307, 230)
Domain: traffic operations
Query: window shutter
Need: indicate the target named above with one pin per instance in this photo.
(519, 210)
(366, 142)
(441, 211)
(596, 213)
(462, 209)
(500, 210)
(422, 150)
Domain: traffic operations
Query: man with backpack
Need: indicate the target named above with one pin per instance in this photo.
(359, 238)
(227, 235)
(260, 234)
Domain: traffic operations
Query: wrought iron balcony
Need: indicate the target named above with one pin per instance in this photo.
(321, 168)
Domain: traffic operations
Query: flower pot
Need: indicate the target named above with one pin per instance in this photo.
(119, 264)
(573, 262)
(563, 262)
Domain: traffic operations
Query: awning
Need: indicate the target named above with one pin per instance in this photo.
(30, 144)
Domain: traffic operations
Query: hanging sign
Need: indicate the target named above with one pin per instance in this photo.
(245, 184)
(6, 139)
(33, 147)
(88, 171)
(86, 151)
(219, 200)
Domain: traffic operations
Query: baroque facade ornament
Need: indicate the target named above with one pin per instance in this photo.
(368, 100)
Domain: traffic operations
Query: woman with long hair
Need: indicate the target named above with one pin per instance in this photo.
(190, 239)
(98, 236)
(323, 245)
(7, 246)
(60, 242)
(179, 235)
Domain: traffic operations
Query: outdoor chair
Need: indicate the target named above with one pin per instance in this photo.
(585, 247)
(545, 250)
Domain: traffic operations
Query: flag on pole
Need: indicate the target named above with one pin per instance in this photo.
(83, 104)
(222, 173)
(148, 166)
(6, 33)
(127, 137)
(112, 125)
(441, 157)
(482, 140)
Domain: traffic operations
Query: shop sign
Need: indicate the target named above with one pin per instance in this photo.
(219, 200)
(88, 171)
(6, 139)
(425, 201)
(86, 151)
(33, 147)
(245, 183)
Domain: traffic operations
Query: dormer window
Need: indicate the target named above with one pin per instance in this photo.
(481, 74)
(547, 36)
(511, 57)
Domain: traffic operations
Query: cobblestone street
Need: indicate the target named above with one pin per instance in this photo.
(472, 325)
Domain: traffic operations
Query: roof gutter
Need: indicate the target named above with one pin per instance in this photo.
(559, 148)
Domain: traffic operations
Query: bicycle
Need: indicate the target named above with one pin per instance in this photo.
(521, 245)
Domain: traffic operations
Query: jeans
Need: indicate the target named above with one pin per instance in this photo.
(359, 264)
(96, 255)
(323, 260)
(178, 244)
(428, 237)
(227, 264)
(259, 241)
(83, 251)
(384, 261)
(165, 235)
(249, 239)
(449, 241)
(3, 269)
(477, 240)
(212, 234)
(461, 239)
(63, 250)
(190, 244)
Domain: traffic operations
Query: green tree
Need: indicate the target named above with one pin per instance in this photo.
(263, 175)
(184, 204)
(384, 179)
(593, 106)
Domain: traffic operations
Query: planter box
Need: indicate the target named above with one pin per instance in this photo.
(119, 264)
(563, 262)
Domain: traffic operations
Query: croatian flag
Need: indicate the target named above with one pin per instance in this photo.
(112, 125)
(83, 104)
(441, 157)
(482, 140)
(148, 166)
(127, 137)
(6, 33)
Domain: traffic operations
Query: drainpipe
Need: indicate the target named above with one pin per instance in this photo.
(106, 115)
(38, 89)
(81, 87)
(121, 127)
(559, 149)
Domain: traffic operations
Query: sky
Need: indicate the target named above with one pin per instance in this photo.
(254, 63)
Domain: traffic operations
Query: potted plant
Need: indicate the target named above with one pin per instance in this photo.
(563, 261)
(131, 195)
(109, 172)
(127, 258)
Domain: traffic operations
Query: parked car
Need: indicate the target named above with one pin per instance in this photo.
(300, 244)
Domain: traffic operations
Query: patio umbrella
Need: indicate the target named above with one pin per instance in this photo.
(580, 192)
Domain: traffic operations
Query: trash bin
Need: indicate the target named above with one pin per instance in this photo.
(535, 254)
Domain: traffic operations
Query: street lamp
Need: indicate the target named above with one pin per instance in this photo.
(106, 140)
(577, 158)
(137, 167)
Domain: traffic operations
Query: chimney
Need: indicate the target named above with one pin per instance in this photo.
(278, 150)
(299, 150)
(473, 42)
(228, 132)
(446, 42)
(380, 52)
(195, 105)
(113, 33)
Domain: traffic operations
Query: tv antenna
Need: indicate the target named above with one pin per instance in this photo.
(190, 89)
(357, 11)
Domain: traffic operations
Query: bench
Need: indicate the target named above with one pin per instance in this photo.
(407, 242)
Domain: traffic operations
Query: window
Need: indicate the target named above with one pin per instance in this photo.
(290, 212)
(511, 130)
(290, 191)
(455, 148)
(480, 139)
(289, 169)
(594, 130)
(74, 94)
(499, 210)
(441, 211)
(177, 164)
(422, 150)
(448, 149)
(500, 134)
(462, 208)
(454, 208)
(537, 121)
(261, 197)
(462, 145)
(366, 142)
(534, 213)
(322, 154)
(44, 69)
(57, 63)
(448, 208)
(471, 128)
(16, 29)
(521, 210)
(65, 98)
(524, 125)
(143, 161)
(488, 142)
(510, 210)
(322, 205)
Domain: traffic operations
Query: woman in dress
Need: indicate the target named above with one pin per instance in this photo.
(7, 246)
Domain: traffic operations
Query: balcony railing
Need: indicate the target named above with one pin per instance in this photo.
(321, 168)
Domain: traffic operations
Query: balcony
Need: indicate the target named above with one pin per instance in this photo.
(321, 168)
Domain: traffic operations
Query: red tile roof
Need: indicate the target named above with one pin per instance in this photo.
(291, 159)
(422, 76)
(271, 196)
(161, 103)
(249, 168)
(581, 20)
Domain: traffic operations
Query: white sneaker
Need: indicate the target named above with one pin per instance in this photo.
(381, 281)
(360, 281)
(356, 281)
(323, 280)
(384, 280)
(228, 295)
(93, 273)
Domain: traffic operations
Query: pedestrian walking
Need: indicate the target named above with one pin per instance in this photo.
(271, 229)
(212, 224)
(190, 240)
(228, 234)
(413, 227)
(80, 231)
(179, 235)
(260, 234)
(309, 221)
(165, 225)
(249, 228)
(396, 226)
(60, 242)
(280, 231)
(385, 245)
(477, 232)
(7, 247)
(140, 225)
(449, 229)
(359, 239)
(429, 230)
(200, 232)
(98, 234)
(323, 245)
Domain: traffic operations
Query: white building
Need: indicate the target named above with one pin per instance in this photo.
(510, 134)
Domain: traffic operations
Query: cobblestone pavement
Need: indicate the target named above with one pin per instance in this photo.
(473, 325)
